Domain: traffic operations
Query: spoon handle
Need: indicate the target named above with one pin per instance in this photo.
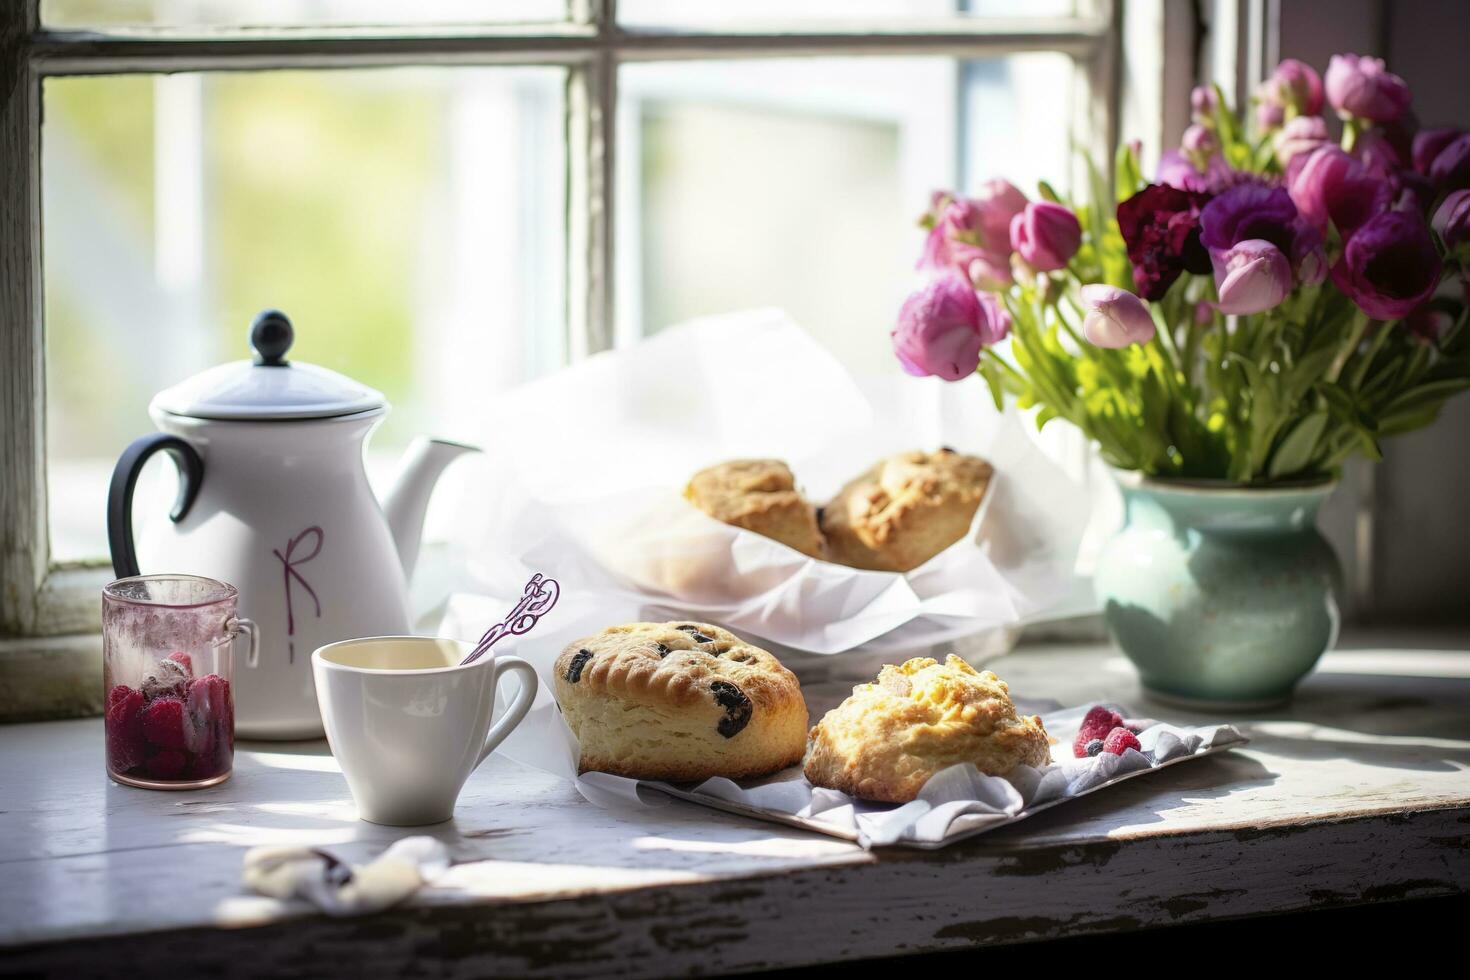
(539, 595)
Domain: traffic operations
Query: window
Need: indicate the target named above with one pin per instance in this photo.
(450, 194)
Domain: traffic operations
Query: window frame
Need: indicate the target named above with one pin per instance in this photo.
(39, 598)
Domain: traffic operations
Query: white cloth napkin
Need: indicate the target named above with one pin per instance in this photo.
(340, 889)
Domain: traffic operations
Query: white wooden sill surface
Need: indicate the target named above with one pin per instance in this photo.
(1360, 791)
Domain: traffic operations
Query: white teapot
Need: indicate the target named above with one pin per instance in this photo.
(273, 498)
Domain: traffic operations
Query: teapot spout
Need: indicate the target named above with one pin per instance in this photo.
(407, 502)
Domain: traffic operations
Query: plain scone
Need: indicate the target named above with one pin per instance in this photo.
(886, 740)
(905, 510)
(759, 495)
(679, 701)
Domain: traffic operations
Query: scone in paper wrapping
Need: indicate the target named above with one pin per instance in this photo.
(589, 464)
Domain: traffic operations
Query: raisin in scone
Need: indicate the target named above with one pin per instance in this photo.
(886, 740)
(905, 510)
(759, 495)
(679, 701)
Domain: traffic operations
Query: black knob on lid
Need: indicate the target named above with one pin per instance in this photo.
(271, 335)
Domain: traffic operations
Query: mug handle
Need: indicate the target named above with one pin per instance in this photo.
(240, 625)
(518, 708)
(125, 479)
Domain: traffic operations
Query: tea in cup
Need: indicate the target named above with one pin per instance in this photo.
(408, 722)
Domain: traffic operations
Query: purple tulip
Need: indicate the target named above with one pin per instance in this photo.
(1300, 136)
(942, 328)
(1427, 145)
(1160, 226)
(1115, 318)
(1390, 266)
(1251, 277)
(1362, 88)
(1376, 151)
(1427, 324)
(1452, 220)
(1413, 192)
(1329, 186)
(1258, 211)
(1297, 86)
(1047, 235)
(1450, 170)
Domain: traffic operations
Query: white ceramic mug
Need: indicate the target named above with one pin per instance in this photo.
(408, 724)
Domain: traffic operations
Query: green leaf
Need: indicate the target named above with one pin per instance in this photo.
(991, 372)
(1427, 395)
(1048, 192)
(1296, 450)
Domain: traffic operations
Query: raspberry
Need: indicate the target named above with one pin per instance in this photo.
(168, 764)
(163, 722)
(124, 727)
(183, 660)
(1120, 740)
(1094, 747)
(210, 716)
(1095, 724)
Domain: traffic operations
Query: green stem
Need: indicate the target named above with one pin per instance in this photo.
(1360, 370)
(1355, 336)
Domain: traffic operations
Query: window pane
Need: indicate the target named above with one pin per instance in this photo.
(409, 221)
(839, 13)
(798, 183)
(293, 13)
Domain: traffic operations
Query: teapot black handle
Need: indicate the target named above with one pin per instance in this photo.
(125, 479)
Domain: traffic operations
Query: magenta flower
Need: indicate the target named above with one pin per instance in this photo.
(1362, 88)
(1047, 235)
(1260, 212)
(1115, 318)
(1199, 142)
(1300, 136)
(942, 328)
(1328, 186)
(1427, 145)
(1297, 86)
(1390, 266)
(1450, 170)
(1251, 277)
(1452, 220)
(1202, 104)
(1160, 225)
(1427, 323)
(1269, 116)
(972, 235)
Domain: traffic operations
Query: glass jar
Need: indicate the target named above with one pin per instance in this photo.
(167, 675)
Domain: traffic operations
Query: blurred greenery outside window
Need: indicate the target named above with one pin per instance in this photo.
(413, 221)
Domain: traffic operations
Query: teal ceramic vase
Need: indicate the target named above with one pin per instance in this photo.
(1222, 596)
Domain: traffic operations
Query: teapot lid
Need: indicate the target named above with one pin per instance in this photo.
(270, 387)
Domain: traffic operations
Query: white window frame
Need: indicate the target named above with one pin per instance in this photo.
(40, 598)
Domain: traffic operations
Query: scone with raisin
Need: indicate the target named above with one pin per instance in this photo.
(759, 495)
(679, 701)
(905, 510)
(886, 740)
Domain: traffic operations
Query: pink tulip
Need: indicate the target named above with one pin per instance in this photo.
(1199, 141)
(972, 235)
(942, 328)
(1047, 235)
(1251, 277)
(1300, 135)
(1115, 318)
(1297, 86)
(1329, 186)
(1362, 88)
(1202, 104)
(1269, 116)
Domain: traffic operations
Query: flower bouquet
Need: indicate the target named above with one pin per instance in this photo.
(1262, 310)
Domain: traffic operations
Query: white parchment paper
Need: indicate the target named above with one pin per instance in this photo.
(957, 803)
(590, 464)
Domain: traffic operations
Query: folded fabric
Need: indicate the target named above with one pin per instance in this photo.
(340, 889)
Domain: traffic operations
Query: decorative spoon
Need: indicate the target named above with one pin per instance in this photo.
(537, 599)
